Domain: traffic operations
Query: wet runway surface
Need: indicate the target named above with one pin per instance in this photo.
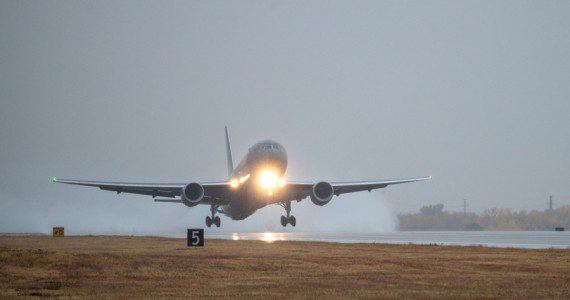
(502, 239)
(506, 239)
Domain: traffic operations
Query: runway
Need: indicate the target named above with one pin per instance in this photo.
(499, 239)
(502, 239)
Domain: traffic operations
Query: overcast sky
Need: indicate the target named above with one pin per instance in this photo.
(475, 93)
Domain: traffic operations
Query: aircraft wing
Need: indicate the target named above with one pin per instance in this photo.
(213, 191)
(357, 186)
(300, 190)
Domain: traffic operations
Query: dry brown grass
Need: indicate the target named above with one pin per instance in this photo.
(163, 267)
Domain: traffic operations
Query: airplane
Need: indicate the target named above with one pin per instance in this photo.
(257, 181)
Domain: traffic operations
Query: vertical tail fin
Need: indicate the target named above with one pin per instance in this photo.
(229, 154)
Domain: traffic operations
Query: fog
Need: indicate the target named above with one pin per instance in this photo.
(474, 93)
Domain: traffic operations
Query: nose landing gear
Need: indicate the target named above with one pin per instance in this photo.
(289, 219)
(213, 219)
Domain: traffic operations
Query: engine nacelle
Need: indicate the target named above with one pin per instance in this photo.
(321, 193)
(192, 194)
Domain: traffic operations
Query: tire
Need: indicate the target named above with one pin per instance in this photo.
(217, 221)
(208, 221)
(283, 221)
(292, 221)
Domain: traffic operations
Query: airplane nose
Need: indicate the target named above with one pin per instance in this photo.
(273, 156)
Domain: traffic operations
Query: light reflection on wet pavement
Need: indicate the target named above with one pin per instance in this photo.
(507, 239)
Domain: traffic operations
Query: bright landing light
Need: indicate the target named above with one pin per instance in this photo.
(235, 182)
(269, 180)
(243, 179)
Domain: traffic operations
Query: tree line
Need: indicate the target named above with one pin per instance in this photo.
(433, 217)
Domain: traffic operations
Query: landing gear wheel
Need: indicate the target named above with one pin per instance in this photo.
(213, 219)
(292, 221)
(288, 219)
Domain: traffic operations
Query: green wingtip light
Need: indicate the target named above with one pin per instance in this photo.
(54, 179)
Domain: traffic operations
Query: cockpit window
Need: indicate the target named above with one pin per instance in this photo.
(269, 147)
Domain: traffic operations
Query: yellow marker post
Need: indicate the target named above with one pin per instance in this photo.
(58, 232)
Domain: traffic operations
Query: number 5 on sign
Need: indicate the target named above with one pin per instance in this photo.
(195, 238)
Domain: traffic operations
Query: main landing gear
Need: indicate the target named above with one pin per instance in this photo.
(213, 219)
(288, 219)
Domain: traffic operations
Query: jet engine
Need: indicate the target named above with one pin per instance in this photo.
(321, 193)
(192, 194)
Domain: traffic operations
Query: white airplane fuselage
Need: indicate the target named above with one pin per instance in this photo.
(257, 178)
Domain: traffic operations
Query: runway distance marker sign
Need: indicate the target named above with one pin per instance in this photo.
(58, 231)
(195, 238)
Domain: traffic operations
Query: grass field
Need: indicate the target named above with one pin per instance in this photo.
(152, 267)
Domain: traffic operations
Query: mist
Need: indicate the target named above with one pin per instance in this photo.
(475, 94)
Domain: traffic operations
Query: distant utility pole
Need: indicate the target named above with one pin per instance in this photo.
(550, 202)
(464, 207)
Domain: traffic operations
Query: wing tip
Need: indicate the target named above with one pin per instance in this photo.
(429, 177)
(54, 179)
